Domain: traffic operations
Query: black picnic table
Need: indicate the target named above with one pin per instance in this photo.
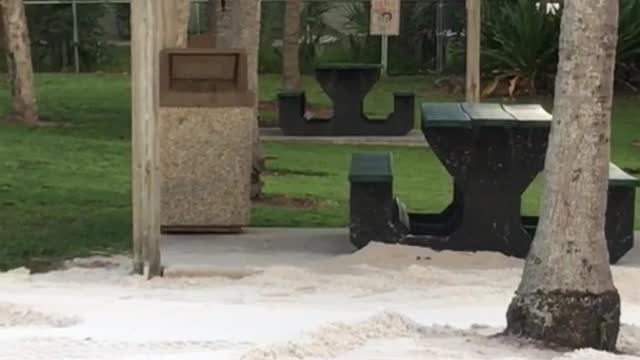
(347, 85)
(493, 152)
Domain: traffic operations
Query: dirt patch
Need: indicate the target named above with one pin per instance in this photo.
(268, 106)
(44, 122)
(283, 201)
(632, 171)
(636, 143)
(43, 265)
(271, 107)
(286, 172)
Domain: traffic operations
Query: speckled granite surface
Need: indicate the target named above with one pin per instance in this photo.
(205, 160)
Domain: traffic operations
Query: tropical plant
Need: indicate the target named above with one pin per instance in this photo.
(314, 30)
(51, 31)
(628, 51)
(362, 46)
(271, 30)
(520, 46)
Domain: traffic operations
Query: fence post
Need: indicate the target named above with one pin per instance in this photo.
(440, 36)
(384, 54)
(76, 53)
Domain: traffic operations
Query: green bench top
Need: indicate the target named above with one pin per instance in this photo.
(371, 167)
(619, 177)
(485, 114)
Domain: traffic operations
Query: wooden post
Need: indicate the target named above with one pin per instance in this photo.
(473, 50)
(155, 24)
(144, 144)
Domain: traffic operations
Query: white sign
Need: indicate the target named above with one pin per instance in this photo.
(385, 17)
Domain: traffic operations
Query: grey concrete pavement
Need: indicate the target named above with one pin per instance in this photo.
(243, 254)
(256, 248)
(415, 138)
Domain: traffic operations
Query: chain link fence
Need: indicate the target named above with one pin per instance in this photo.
(93, 35)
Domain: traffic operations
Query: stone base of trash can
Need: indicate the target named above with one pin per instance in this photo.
(205, 159)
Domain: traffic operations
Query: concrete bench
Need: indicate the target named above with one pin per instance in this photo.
(619, 216)
(375, 215)
(620, 213)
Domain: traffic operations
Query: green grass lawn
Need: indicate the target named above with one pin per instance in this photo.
(66, 191)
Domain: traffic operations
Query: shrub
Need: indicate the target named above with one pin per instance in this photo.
(628, 52)
(520, 46)
(51, 33)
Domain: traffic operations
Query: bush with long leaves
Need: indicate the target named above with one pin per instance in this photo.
(519, 46)
(313, 28)
(362, 46)
(628, 52)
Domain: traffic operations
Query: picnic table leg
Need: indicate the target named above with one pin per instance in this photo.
(492, 166)
(347, 91)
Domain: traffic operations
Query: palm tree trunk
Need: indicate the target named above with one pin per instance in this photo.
(291, 45)
(239, 27)
(567, 296)
(212, 16)
(24, 108)
(224, 23)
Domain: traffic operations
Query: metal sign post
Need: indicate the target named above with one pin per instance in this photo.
(385, 21)
(76, 38)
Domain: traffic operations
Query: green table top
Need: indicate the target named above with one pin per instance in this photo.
(484, 114)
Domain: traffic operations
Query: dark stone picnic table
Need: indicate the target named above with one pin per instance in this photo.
(493, 152)
(347, 85)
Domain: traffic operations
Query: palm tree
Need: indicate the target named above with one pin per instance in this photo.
(291, 45)
(567, 296)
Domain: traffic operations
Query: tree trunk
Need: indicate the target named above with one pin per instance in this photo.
(239, 27)
(291, 46)
(224, 23)
(212, 16)
(567, 297)
(24, 108)
(177, 14)
(155, 24)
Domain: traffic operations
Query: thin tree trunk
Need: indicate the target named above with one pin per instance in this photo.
(291, 46)
(212, 16)
(567, 296)
(239, 27)
(24, 108)
(224, 23)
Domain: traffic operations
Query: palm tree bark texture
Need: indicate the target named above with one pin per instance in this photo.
(567, 297)
(17, 47)
(291, 46)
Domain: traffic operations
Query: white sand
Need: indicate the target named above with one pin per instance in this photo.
(383, 302)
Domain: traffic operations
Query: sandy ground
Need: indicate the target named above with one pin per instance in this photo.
(383, 302)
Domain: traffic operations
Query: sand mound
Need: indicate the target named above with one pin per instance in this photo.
(339, 338)
(350, 341)
(12, 315)
(396, 256)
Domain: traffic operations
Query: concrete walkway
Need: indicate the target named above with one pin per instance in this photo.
(415, 138)
(243, 254)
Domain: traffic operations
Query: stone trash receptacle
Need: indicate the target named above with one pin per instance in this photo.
(207, 126)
